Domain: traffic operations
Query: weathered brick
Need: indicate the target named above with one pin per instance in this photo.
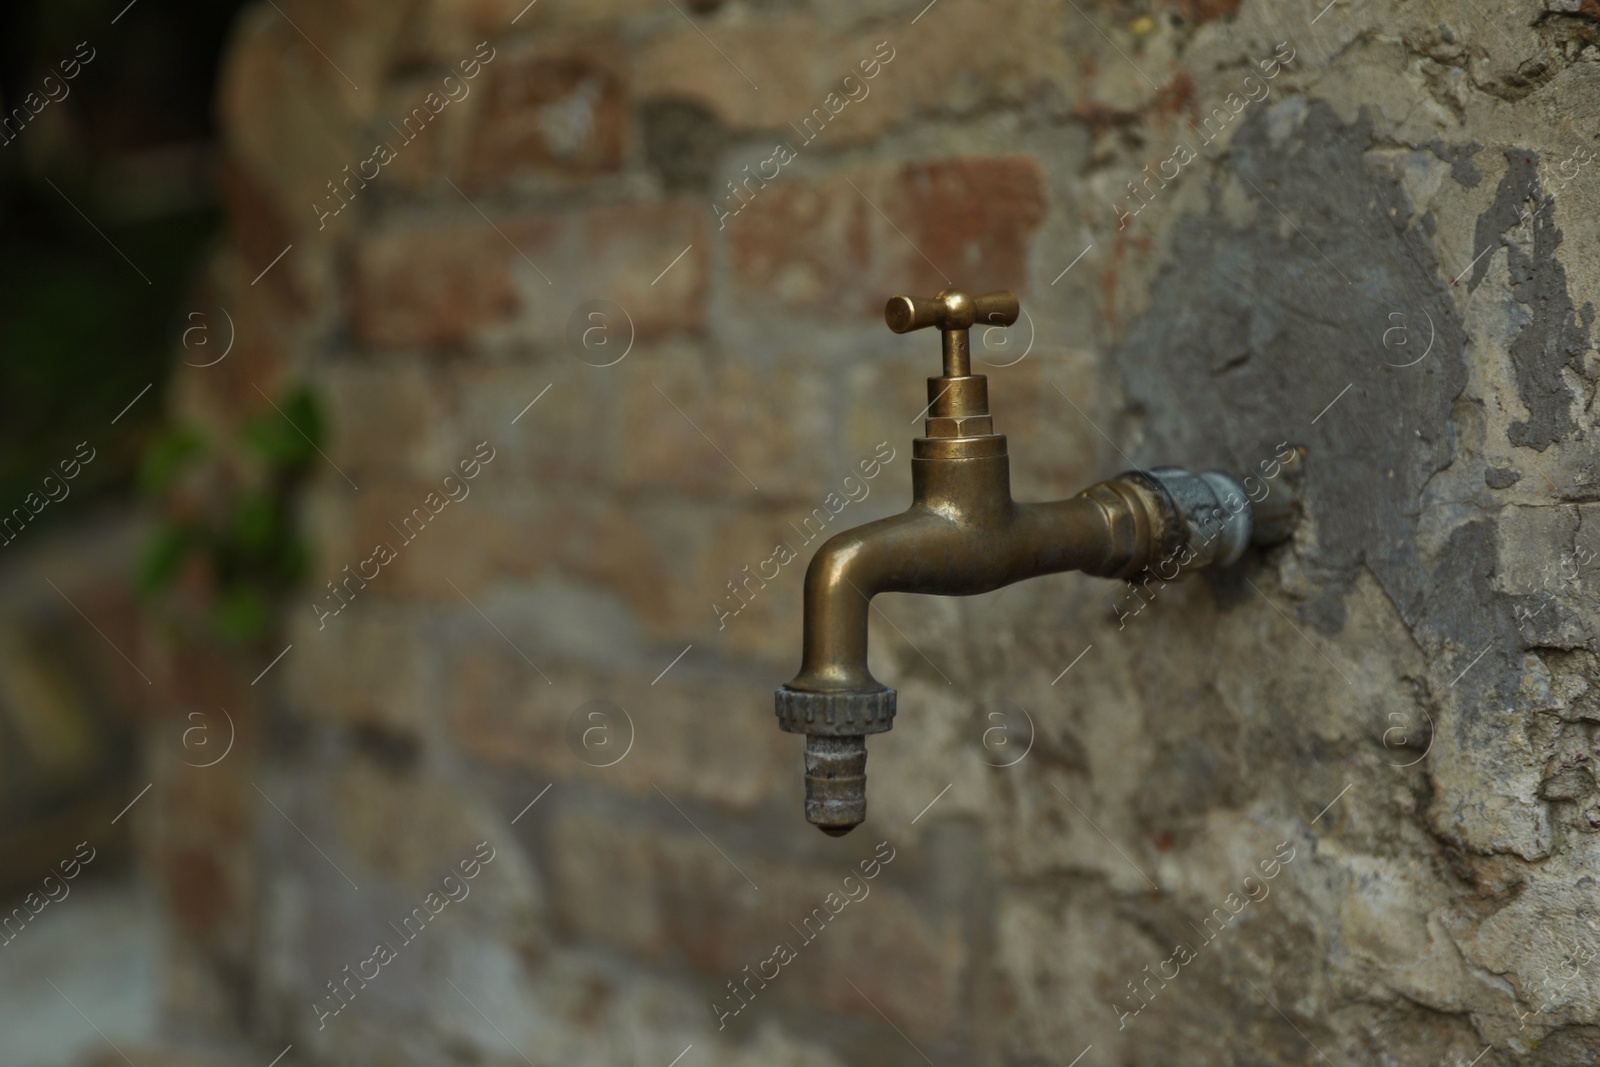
(1046, 1006)
(413, 829)
(442, 28)
(363, 667)
(561, 439)
(385, 423)
(506, 714)
(885, 398)
(564, 112)
(426, 123)
(465, 542)
(195, 832)
(434, 285)
(825, 247)
(626, 254)
(653, 554)
(665, 893)
(680, 429)
(260, 228)
(164, 1056)
(454, 283)
(276, 87)
(1055, 449)
(750, 597)
(934, 71)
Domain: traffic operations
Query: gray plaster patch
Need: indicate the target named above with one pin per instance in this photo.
(1557, 334)
(1501, 478)
(1307, 288)
(1307, 291)
(1462, 168)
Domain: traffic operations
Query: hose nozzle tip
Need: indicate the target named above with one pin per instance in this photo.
(836, 783)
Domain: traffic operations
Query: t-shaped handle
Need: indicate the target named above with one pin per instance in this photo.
(953, 312)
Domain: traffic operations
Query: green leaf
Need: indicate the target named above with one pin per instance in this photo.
(254, 526)
(240, 613)
(288, 437)
(163, 556)
(167, 456)
(294, 561)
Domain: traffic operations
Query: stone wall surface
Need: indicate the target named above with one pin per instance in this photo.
(1337, 803)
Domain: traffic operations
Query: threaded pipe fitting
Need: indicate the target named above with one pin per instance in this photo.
(836, 783)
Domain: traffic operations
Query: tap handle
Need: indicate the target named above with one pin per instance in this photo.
(954, 312)
(951, 310)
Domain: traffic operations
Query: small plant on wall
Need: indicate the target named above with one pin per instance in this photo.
(226, 550)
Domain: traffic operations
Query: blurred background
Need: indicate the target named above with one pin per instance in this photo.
(123, 154)
(404, 403)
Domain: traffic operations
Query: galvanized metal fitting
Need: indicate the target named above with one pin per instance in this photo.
(1213, 513)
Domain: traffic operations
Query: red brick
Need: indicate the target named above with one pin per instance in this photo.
(939, 71)
(974, 217)
(431, 286)
(450, 284)
(824, 247)
(1198, 11)
(565, 112)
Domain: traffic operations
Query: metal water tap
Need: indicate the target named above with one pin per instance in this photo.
(963, 535)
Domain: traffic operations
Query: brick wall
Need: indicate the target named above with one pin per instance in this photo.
(609, 253)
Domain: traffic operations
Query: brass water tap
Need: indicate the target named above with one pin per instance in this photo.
(963, 535)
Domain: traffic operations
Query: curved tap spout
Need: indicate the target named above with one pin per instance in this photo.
(955, 545)
(963, 535)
